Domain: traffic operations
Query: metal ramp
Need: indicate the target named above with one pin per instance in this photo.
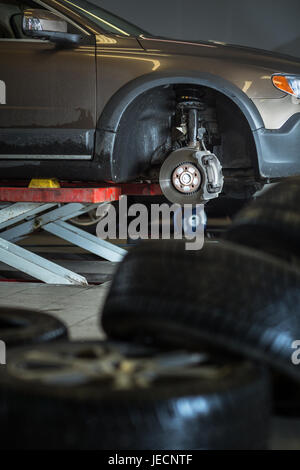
(28, 209)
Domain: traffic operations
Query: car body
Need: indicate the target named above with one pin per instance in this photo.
(102, 109)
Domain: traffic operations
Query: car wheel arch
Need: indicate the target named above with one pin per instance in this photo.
(115, 109)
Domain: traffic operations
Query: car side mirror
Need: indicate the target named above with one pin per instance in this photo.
(43, 24)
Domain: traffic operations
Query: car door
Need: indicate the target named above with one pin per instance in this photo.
(47, 93)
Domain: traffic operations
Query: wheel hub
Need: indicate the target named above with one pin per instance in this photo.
(186, 178)
(190, 176)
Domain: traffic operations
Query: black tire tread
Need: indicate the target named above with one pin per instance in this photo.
(224, 296)
(228, 414)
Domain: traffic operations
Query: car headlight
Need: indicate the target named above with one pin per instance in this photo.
(288, 83)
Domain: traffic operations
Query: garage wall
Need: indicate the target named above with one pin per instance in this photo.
(266, 24)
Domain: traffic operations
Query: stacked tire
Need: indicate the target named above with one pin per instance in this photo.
(19, 327)
(196, 340)
(223, 297)
(119, 397)
(240, 296)
(271, 223)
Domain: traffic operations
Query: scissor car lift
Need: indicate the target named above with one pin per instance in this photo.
(25, 209)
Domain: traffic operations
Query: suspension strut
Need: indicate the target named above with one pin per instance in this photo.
(190, 105)
(191, 174)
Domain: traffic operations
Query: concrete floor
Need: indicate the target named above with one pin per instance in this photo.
(77, 306)
(80, 307)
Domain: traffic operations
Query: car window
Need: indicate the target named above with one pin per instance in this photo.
(106, 21)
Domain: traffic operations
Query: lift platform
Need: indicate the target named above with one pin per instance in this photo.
(24, 210)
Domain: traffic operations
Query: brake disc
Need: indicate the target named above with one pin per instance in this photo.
(191, 176)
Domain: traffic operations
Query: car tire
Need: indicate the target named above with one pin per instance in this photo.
(271, 223)
(19, 327)
(58, 397)
(223, 296)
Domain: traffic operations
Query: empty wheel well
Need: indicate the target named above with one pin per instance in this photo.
(148, 132)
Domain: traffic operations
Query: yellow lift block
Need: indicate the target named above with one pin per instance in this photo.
(44, 183)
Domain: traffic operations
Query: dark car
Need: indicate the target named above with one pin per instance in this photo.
(86, 96)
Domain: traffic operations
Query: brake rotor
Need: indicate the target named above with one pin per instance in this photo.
(191, 176)
(180, 177)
